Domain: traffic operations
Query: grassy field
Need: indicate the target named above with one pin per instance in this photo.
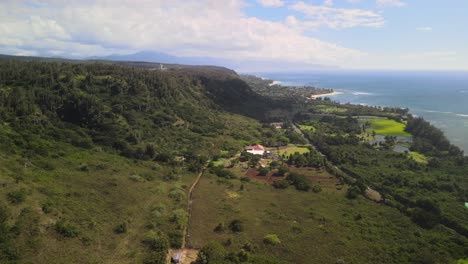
(418, 157)
(290, 149)
(330, 109)
(388, 127)
(307, 128)
(313, 227)
(93, 192)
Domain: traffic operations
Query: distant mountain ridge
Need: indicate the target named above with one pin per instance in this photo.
(245, 65)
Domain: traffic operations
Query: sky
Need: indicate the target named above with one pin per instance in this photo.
(269, 34)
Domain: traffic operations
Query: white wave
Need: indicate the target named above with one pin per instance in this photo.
(442, 112)
(275, 83)
(439, 112)
(361, 93)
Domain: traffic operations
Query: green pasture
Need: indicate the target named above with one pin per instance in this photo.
(290, 149)
(418, 157)
(383, 126)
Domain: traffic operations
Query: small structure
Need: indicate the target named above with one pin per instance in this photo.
(162, 67)
(175, 258)
(255, 149)
(277, 125)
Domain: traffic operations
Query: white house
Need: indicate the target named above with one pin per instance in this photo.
(255, 149)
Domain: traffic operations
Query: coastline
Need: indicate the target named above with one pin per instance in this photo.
(315, 96)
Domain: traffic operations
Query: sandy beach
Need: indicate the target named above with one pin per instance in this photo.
(315, 96)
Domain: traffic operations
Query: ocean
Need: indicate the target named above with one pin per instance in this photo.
(439, 97)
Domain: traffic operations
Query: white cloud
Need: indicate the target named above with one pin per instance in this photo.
(424, 28)
(328, 3)
(337, 18)
(209, 28)
(390, 3)
(271, 3)
(353, 1)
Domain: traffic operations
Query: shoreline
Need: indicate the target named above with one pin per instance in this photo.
(315, 96)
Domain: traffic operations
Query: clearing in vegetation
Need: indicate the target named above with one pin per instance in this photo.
(290, 149)
(388, 127)
(418, 157)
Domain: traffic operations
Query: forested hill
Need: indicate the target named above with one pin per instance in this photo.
(197, 69)
(90, 150)
(121, 105)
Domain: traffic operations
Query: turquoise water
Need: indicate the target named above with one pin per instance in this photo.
(439, 97)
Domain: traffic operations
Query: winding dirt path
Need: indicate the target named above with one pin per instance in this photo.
(189, 209)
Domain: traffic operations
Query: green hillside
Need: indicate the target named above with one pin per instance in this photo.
(97, 160)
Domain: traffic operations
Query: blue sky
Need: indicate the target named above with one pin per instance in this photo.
(251, 34)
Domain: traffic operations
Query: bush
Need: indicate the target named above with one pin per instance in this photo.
(245, 179)
(66, 229)
(316, 189)
(175, 239)
(156, 242)
(236, 226)
(222, 172)
(136, 178)
(271, 239)
(219, 228)
(155, 258)
(120, 228)
(299, 181)
(353, 192)
(263, 171)
(281, 184)
(282, 170)
(17, 197)
(171, 176)
(177, 194)
(179, 217)
(213, 252)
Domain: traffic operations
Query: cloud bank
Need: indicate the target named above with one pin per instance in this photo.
(209, 28)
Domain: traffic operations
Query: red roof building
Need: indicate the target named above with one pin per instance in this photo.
(255, 149)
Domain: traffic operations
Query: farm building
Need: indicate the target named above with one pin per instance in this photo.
(255, 149)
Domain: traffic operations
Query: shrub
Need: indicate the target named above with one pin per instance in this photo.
(299, 181)
(282, 170)
(66, 229)
(171, 176)
(220, 227)
(353, 192)
(136, 178)
(245, 179)
(175, 239)
(179, 217)
(263, 171)
(177, 194)
(156, 242)
(281, 184)
(155, 258)
(274, 164)
(17, 197)
(236, 226)
(271, 239)
(213, 252)
(316, 189)
(222, 172)
(120, 228)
